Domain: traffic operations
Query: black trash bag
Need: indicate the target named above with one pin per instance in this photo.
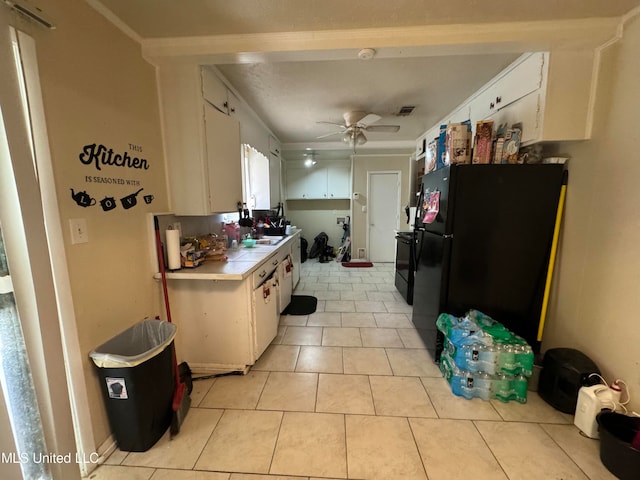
(319, 245)
(304, 245)
(327, 254)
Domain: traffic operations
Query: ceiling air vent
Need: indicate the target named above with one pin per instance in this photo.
(405, 111)
(30, 11)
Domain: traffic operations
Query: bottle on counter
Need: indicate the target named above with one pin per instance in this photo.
(225, 237)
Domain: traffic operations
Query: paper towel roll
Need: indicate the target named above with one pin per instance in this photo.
(173, 249)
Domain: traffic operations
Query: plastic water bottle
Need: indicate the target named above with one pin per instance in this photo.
(520, 385)
(483, 386)
(487, 359)
(506, 359)
(524, 360)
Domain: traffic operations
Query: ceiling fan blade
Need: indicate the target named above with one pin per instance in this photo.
(368, 119)
(333, 123)
(330, 134)
(382, 128)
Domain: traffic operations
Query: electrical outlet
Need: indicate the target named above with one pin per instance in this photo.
(79, 232)
(340, 220)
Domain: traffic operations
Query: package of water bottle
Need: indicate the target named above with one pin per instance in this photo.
(458, 329)
(508, 359)
(482, 384)
(478, 343)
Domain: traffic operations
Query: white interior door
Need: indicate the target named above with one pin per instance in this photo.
(384, 215)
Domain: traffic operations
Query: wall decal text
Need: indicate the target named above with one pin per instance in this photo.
(99, 155)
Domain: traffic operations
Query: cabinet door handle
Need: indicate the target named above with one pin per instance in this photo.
(498, 100)
(262, 274)
(491, 105)
(274, 263)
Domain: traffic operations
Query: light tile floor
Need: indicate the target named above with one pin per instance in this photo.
(349, 392)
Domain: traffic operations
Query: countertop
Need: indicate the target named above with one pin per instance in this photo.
(241, 263)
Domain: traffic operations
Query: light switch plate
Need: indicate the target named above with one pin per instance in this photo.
(79, 232)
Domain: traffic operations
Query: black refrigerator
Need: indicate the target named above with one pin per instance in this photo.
(483, 241)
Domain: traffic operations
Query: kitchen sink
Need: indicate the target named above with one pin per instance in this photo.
(270, 240)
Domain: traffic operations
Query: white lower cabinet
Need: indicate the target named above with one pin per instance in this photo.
(296, 256)
(284, 278)
(225, 325)
(214, 324)
(265, 314)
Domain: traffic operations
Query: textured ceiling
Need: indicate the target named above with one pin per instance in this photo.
(292, 86)
(308, 92)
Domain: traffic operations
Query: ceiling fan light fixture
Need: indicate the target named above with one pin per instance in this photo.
(354, 137)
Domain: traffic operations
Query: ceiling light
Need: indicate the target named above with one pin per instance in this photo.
(309, 163)
(354, 137)
(366, 54)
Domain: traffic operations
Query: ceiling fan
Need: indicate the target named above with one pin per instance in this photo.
(355, 124)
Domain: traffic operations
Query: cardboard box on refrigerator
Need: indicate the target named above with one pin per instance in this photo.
(441, 143)
(483, 143)
(431, 162)
(458, 143)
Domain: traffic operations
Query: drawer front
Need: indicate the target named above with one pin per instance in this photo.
(263, 272)
(267, 267)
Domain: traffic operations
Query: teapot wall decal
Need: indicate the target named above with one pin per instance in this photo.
(83, 198)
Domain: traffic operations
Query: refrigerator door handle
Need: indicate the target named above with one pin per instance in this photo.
(447, 235)
(417, 253)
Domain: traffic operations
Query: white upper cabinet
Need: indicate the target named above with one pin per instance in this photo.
(223, 160)
(275, 179)
(320, 182)
(338, 182)
(202, 146)
(548, 93)
(274, 145)
(521, 79)
(217, 94)
(551, 97)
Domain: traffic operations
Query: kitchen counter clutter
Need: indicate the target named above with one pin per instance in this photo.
(227, 313)
(239, 265)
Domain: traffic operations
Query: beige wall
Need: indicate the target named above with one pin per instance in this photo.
(596, 297)
(97, 89)
(315, 216)
(362, 165)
